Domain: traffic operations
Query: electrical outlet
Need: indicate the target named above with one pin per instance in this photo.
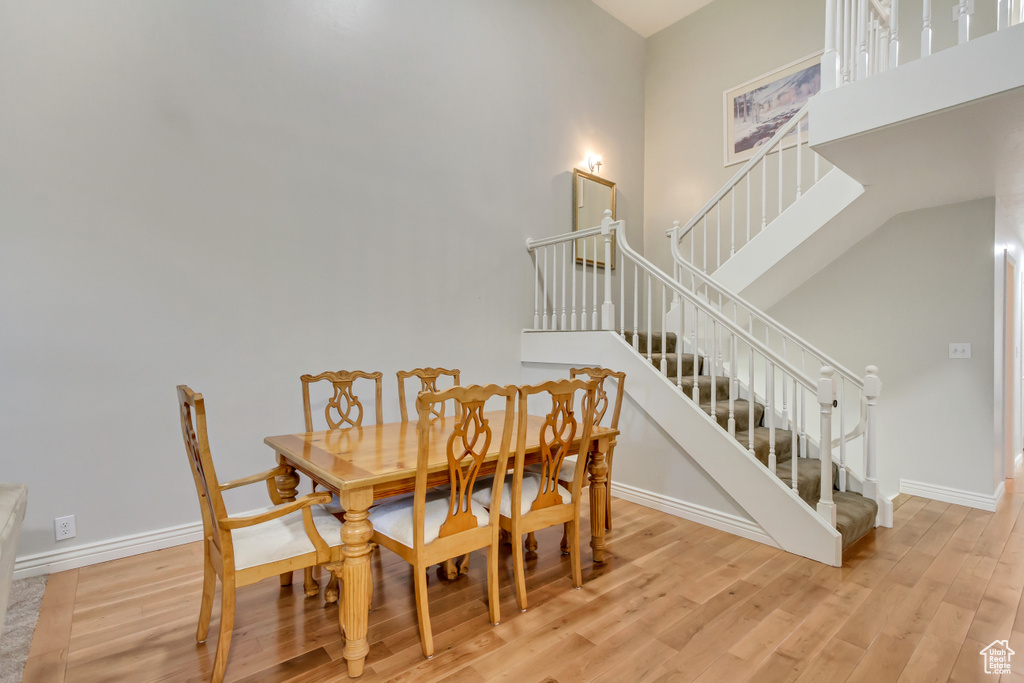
(64, 527)
(960, 350)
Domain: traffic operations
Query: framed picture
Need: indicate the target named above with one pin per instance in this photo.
(758, 108)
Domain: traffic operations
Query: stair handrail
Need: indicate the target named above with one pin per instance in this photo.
(766, 319)
(765, 150)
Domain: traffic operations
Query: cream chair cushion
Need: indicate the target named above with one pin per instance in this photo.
(565, 473)
(394, 518)
(531, 485)
(282, 538)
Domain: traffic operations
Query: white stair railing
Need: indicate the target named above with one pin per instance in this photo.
(862, 37)
(734, 355)
(763, 188)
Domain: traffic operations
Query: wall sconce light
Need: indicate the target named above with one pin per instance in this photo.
(594, 162)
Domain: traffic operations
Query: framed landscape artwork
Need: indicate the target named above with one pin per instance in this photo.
(758, 108)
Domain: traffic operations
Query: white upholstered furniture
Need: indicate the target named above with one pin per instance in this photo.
(13, 499)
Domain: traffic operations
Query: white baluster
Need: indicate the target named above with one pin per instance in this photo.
(1002, 15)
(704, 266)
(962, 12)
(816, 160)
(695, 391)
(751, 397)
(733, 385)
(748, 207)
(679, 346)
(545, 293)
(718, 235)
(778, 150)
(862, 39)
(622, 298)
(607, 308)
(848, 42)
(732, 221)
(636, 305)
(764, 191)
(649, 295)
(785, 385)
(583, 288)
(872, 390)
(799, 159)
(926, 30)
(769, 390)
(594, 323)
(842, 433)
(792, 438)
(830, 60)
(573, 277)
(664, 335)
(713, 353)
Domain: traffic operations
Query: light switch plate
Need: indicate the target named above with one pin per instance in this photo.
(960, 350)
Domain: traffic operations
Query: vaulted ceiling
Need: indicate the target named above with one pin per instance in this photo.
(647, 17)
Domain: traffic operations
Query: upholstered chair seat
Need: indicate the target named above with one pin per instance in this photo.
(528, 493)
(281, 538)
(394, 518)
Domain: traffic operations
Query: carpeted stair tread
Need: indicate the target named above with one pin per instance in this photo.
(808, 477)
(855, 516)
(741, 412)
(671, 360)
(704, 387)
(670, 342)
(783, 444)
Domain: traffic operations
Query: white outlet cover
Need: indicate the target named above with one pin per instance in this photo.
(64, 527)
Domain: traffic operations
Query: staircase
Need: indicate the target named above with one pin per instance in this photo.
(855, 514)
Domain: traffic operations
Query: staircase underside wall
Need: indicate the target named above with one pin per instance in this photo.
(673, 457)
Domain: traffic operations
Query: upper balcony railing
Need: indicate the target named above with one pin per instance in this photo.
(862, 37)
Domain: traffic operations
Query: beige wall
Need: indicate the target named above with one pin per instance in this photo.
(896, 300)
(689, 65)
(231, 194)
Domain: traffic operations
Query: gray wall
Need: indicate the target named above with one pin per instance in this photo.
(689, 65)
(896, 300)
(231, 194)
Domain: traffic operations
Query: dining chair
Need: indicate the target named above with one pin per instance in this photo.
(428, 382)
(600, 411)
(243, 550)
(343, 410)
(534, 499)
(439, 523)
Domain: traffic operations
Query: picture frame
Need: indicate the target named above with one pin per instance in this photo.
(591, 196)
(755, 110)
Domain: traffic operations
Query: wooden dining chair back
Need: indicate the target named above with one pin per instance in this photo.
(602, 411)
(244, 550)
(535, 499)
(343, 409)
(428, 382)
(440, 521)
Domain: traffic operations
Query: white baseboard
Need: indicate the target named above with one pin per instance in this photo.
(1017, 462)
(695, 513)
(104, 551)
(955, 496)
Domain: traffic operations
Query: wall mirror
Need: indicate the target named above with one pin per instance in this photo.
(592, 195)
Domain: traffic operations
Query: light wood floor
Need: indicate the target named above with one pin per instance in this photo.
(675, 602)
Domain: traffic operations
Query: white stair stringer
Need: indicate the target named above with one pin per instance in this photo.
(792, 524)
(807, 219)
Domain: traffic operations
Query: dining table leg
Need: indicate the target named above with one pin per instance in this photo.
(355, 577)
(288, 488)
(598, 469)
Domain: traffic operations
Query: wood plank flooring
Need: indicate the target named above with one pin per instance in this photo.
(676, 601)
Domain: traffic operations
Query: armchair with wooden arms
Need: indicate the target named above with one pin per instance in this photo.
(243, 550)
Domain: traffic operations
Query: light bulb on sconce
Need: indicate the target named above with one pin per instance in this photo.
(594, 163)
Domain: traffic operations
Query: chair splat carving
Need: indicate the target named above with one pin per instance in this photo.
(471, 440)
(343, 409)
(428, 382)
(556, 437)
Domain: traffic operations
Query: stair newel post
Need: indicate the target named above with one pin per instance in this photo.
(733, 385)
(830, 60)
(842, 433)
(826, 396)
(926, 28)
(872, 390)
(894, 34)
(607, 308)
(769, 390)
(622, 298)
(751, 397)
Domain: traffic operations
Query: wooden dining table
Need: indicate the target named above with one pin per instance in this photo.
(366, 464)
